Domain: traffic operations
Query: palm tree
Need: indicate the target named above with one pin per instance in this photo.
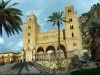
(57, 19)
(10, 18)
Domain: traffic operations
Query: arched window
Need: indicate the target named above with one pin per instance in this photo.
(72, 34)
(28, 40)
(29, 27)
(69, 10)
(70, 19)
(28, 48)
(74, 44)
(71, 27)
(29, 34)
(63, 34)
(30, 19)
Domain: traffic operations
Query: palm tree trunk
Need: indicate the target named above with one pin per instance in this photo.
(59, 62)
(59, 40)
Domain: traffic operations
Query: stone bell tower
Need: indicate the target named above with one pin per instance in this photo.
(72, 31)
(31, 29)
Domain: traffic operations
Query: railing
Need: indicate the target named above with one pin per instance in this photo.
(53, 56)
(49, 56)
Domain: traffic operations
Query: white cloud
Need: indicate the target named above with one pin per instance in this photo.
(19, 44)
(15, 46)
(1, 41)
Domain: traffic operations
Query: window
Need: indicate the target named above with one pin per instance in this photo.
(28, 40)
(29, 27)
(29, 34)
(30, 19)
(70, 19)
(71, 27)
(72, 34)
(69, 10)
(74, 44)
(63, 34)
(28, 48)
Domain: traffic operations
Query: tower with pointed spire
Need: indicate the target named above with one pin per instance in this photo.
(30, 33)
(72, 31)
(40, 45)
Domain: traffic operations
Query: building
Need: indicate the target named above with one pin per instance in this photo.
(9, 57)
(44, 45)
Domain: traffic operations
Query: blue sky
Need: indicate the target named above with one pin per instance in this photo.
(42, 9)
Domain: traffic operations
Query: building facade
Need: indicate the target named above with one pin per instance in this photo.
(44, 45)
(9, 57)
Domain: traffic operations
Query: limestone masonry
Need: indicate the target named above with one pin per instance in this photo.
(39, 45)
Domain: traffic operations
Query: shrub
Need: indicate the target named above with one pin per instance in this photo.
(92, 71)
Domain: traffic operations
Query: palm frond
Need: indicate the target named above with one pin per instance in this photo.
(7, 29)
(0, 30)
(14, 4)
(54, 23)
(5, 3)
(56, 18)
(10, 18)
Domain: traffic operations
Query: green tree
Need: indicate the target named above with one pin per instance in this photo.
(10, 18)
(93, 41)
(57, 18)
(90, 29)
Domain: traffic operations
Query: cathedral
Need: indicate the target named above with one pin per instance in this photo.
(43, 46)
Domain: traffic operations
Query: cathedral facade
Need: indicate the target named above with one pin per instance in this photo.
(39, 45)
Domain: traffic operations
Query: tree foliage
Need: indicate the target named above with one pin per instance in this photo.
(90, 27)
(10, 18)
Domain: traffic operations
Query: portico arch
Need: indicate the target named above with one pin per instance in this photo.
(40, 50)
(51, 52)
(50, 48)
(62, 50)
(40, 54)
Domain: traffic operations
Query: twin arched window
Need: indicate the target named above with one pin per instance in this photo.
(29, 27)
(69, 10)
(71, 27)
(70, 19)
